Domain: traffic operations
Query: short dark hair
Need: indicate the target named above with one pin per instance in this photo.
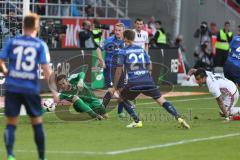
(200, 72)
(227, 22)
(138, 20)
(129, 35)
(158, 22)
(31, 21)
(60, 77)
(86, 23)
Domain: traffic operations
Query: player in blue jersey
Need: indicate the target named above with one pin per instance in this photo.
(136, 64)
(111, 47)
(25, 53)
(232, 64)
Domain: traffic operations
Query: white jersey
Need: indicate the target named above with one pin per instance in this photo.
(219, 85)
(141, 38)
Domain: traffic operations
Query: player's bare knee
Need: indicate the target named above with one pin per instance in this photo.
(36, 120)
(161, 100)
(11, 120)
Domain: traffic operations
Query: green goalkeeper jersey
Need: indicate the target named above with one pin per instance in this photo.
(84, 93)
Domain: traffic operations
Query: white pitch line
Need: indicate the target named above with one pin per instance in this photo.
(117, 152)
(170, 144)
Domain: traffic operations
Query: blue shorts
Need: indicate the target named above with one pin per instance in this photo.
(13, 102)
(131, 91)
(232, 72)
(109, 74)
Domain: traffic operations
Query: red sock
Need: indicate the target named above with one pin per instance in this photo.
(237, 118)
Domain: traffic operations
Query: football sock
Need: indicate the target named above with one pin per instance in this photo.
(236, 118)
(39, 137)
(9, 137)
(120, 108)
(170, 109)
(43, 110)
(80, 106)
(130, 109)
(106, 99)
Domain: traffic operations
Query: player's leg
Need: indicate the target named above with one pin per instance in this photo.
(120, 112)
(9, 136)
(109, 78)
(171, 110)
(168, 107)
(127, 95)
(98, 108)
(156, 95)
(80, 106)
(106, 99)
(12, 110)
(234, 111)
(131, 111)
(39, 136)
(154, 92)
(231, 72)
(33, 107)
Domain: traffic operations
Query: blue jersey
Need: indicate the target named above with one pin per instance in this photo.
(24, 54)
(234, 54)
(111, 47)
(135, 61)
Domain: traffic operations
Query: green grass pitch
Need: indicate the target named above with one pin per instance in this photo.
(160, 138)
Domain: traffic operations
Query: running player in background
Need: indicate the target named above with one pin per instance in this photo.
(25, 53)
(224, 90)
(111, 47)
(74, 90)
(232, 64)
(141, 36)
(136, 64)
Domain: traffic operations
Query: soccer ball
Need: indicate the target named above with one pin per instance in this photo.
(49, 104)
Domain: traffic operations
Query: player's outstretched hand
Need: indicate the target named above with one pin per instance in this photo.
(80, 84)
(55, 97)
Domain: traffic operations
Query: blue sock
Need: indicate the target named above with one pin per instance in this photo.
(106, 99)
(170, 109)
(120, 107)
(9, 137)
(39, 137)
(129, 108)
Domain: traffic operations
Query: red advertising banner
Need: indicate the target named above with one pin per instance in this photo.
(71, 39)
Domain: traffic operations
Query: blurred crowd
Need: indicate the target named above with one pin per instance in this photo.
(79, 8)
(213, 47)
(210, 52)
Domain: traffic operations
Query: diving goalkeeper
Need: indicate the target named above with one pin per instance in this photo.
(73, 89)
